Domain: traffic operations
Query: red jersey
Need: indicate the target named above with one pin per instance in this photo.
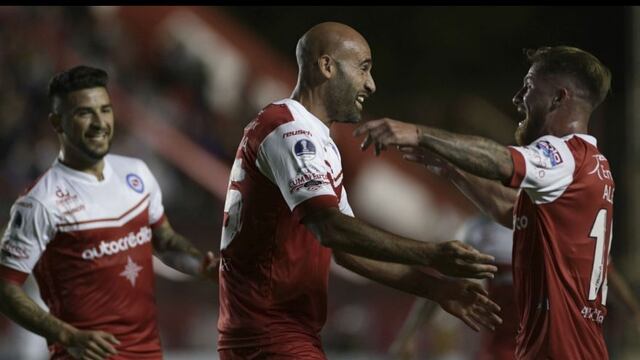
(562, 237)
(274, 272)
(88, 243)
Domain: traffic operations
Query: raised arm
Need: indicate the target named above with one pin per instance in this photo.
(464, 299)
(474, 154)
(490, 196)
(179, 253)
(347, 234)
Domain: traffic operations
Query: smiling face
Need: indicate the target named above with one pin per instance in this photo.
(534, 100)
(86, 124)
(352, 83)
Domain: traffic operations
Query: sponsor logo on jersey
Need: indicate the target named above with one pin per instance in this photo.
(135, 182)
(108, 248)
(550, 152)
(308, 181)
(600, 169)
(521, 222)
(64, 197)
(296, 132)
(305, 149)
(12, 248)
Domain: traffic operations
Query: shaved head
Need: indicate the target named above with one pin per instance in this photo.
(334, 63)
(328, 38)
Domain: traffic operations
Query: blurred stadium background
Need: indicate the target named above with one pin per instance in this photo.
(186, 80)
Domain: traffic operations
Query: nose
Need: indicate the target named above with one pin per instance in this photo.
(369, 84)
(517, 98)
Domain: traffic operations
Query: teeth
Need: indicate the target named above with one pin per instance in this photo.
(360, 99)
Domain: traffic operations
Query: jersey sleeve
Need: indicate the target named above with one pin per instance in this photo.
(344, 206)
(297, 166)
(30, 229)
(156, 209)
(543, 169)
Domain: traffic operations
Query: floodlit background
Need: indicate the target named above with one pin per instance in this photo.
(186, 80)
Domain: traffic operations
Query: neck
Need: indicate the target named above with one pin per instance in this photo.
(83, 163)
(562, 124)
(313, 100)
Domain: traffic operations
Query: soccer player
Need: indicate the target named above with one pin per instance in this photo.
(562, 217)
(286, 210)
(87, 229)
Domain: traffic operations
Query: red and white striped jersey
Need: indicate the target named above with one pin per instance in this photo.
(88, 244)
(562, 237)
(274, 272)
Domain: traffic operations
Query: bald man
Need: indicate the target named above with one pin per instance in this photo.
(286, 212)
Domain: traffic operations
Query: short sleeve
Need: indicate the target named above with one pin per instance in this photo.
(543, 169)
(156, 209)
(31, 227)
(297, 166)
(344, 206)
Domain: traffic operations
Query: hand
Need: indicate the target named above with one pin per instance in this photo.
(454, 258)
(210, 266)
(431, 161)
(91, 345)
(469, 302)
(385, 132)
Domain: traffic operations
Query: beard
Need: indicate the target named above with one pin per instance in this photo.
(341, 99)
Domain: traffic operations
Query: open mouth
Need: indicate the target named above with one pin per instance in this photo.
(360, 101)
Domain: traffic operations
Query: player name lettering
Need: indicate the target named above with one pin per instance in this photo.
(109, 248)
(608, 193)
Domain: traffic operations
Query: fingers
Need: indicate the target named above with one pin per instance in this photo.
(369, 125)
(103, 344)
(368, 140)
(470, 322)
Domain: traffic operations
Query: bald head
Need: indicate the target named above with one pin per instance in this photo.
(328, 38)
(334, 77)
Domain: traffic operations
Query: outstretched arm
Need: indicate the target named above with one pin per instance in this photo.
(347, 234)
(490, 196)
(178, 252)
(474, 154)
(19, 307)
(462, 298)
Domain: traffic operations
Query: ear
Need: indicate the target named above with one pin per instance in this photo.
(56, 122)
(561, 95)
(326, 66)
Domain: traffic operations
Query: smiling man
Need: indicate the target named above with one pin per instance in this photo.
(287, 210)
(87, 229)
(562, 217)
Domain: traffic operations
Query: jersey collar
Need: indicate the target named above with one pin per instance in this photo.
(83, 176)
(302, 109)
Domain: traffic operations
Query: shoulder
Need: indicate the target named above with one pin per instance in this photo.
(280, 120)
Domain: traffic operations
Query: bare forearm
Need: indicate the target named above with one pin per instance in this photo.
(176, 251)
(16, 305)
(477, 155)
(490, 196)
(398, 276)
(347, 234)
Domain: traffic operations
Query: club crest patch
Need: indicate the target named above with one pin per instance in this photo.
(305, 149)
(135, 183)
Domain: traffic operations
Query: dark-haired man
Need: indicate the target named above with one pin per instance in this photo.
(563, 213)
(87, 229)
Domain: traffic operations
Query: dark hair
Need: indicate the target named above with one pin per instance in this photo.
(76, 78)
(590, 73)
